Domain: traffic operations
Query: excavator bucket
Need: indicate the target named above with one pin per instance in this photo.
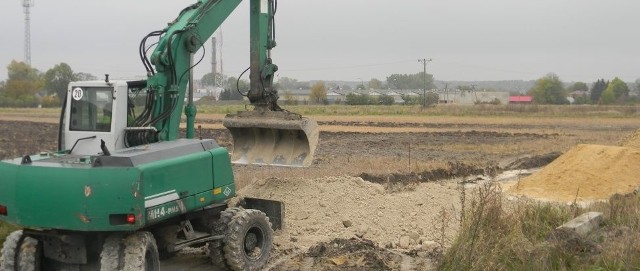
(276, 138)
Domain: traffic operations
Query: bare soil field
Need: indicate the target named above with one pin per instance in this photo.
(383, 192)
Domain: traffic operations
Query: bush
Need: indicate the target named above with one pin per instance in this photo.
(358, 99)
(522, 236)
(50, 101)
(386, 100)
(22, 101)
(432, 99)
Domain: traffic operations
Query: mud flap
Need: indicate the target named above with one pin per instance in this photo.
(272, 208)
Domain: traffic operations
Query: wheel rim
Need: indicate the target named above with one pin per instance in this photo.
(254, 243)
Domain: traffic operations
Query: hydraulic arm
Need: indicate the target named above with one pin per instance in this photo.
(266, 135)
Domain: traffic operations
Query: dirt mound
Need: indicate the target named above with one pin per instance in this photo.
(584, 173)
(319, 210)
(632, 140)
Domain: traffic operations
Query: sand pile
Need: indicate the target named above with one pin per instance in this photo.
(319, 210)
(632, 140)
(585, 173)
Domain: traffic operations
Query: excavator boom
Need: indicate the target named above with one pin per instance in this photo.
(268, 134)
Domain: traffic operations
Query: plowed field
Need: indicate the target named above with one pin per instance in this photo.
(382, 193)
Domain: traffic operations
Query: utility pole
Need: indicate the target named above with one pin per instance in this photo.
(27, 4)
(214, 61)
(424, 62)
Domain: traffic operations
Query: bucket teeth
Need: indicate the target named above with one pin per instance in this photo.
(272, 138)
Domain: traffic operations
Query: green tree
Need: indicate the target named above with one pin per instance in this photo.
(358, 99)
(235, 90)
(411, 99)
(235, 84)
(410, 81)
(578, 86)
(386, 99)
(229, 94)
(607, 97)
(617, 92)
(56, 79)
(22, 71)
(432, 99)
(597, 89)
(318, 93)
(22, 84)
(83, 76)
(209, 80)
(549, 90)
(579, 98)
(638, 86)
(375, 84)
(290, 83)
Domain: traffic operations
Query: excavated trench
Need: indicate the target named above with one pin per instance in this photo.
(394, 182)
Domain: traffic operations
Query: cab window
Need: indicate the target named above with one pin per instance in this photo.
(91, 109)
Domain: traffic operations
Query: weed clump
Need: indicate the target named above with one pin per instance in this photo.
(500, 235)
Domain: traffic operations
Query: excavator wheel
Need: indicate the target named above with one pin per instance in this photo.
(21, 252)
(137, 251)
(276, 138)
(220, 227)
(249, 240)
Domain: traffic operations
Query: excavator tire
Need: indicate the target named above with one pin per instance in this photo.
(21, 253)
(220, 227)
(111, 256)
(137, 251)
(249, 241)
(141, 252)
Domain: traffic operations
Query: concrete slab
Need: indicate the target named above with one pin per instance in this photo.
(583, 224)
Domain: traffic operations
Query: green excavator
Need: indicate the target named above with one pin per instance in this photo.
(124, 191)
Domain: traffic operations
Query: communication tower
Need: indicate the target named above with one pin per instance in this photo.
(27, 5)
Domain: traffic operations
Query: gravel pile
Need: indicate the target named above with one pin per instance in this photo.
(319, 210)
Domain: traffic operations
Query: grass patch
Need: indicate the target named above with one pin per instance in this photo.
(500, 235)
(605, 111)
(486, 110)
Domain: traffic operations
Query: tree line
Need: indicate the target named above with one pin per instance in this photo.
(28, 87)
(318, 89)
(550, 90)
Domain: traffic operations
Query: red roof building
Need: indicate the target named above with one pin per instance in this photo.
(520, 99)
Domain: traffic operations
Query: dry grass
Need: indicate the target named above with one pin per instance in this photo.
(500, 235)
(443, 110)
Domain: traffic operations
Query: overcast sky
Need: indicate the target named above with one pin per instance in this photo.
(580, 40)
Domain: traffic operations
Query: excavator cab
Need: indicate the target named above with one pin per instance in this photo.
(278, 138)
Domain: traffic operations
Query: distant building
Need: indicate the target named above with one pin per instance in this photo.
(334, 97)
(520, 99)
(449, 96)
